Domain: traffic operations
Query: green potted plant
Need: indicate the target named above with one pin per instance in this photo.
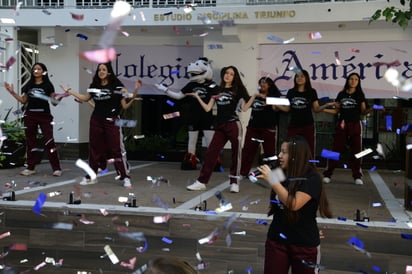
(13, 149)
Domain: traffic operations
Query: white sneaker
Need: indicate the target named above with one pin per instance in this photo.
(86, 181)
(326, 180)
(196, 186)
(27, 172)
(127, 182)
(358, 181)
(234, 188)
(57, 173)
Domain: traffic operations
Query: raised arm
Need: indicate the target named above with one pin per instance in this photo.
(127, 103)
(271, 176)
(172, 94)
(81, 97)
(10, 88)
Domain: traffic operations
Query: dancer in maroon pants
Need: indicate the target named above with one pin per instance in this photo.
(37, 94)
(228, 127)
(109, 96)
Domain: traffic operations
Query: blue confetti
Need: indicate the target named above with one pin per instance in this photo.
(341, 218)
(261, 222)
(389, 122)
(328, 154)
(166, 240)
(373, 168)
(406, 236)
(376, 268)
(361, 225)
(170, 103)
(41, 199)
(356, 242)
(283, 236)
(82, 36)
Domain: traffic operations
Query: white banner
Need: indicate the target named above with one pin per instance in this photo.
(329, 64)
(154, 65)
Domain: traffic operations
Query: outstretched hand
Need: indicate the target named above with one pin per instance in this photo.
(9, 87)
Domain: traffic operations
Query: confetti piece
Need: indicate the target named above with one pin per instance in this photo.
(142, 16)
(125, 123)
(362, 225)
(77, 16)
(41, 199)
(46, 12)
(363, 153)
(167, 240)
(82, 36)
(337, 59)
(83, 165)
(99, 55)
(161, 219)
(18, 247)
(171, 115)
(277, 101)
(315, 35)
(354, 50)
(110, 254)
(10, 62)
(328, 154)
(4, 235)
(261, 222)
(406, 236)
(341, 218)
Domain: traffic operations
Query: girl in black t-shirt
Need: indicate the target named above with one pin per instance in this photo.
(293, 239)
(262, 126)
(227, 128)
(303, 99)
(108, 94)
(36, 95)
(350, 105)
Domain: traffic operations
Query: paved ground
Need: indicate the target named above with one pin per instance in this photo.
(380, 199)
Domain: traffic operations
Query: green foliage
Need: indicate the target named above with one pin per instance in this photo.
(14, 130)
(395, 15)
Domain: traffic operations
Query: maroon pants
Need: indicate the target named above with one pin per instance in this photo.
(347, 133)
(105, 137)
(307, 132)
(280, 257)
(268, 136)
(231, 131)
(32, 121)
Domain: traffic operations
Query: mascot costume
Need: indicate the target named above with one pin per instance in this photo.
(194, 116)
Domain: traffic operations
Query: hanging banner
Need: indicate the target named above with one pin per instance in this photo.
(329, 64)
(152, 65)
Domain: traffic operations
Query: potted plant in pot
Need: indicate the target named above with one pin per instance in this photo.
(13, 149)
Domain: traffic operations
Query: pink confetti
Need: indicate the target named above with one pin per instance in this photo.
(5, 234)
(354, 50)
(171, 115)
(99, 55)
(78, 17)
(315, 35)
(129, 265)
(338, 62)
(10, 62)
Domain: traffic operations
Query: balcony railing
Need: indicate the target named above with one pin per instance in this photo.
(36, 4)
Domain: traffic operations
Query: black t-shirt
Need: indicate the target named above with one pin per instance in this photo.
(204, 90)
(350, 105)
(227, 105)
(301, 106)
(108, 100)
(263, 116)
(305, 231)
(38, 95)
